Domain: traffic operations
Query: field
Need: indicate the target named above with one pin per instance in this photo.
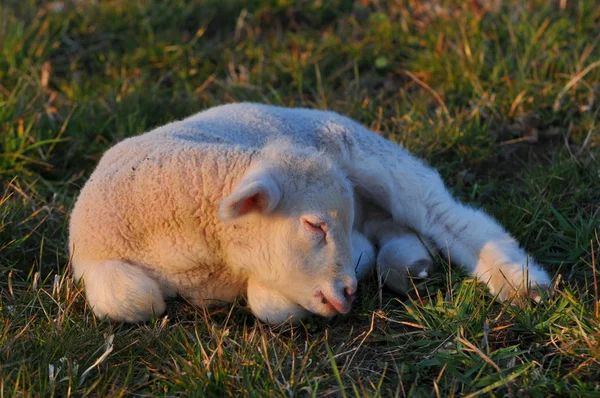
(503, 97)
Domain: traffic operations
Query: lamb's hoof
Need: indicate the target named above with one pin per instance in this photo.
(401, 278)
(515, 283)
(536, 294)
(520, 295)
(539, 293)
(401, 260)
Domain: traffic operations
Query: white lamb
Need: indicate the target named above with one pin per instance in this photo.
(284, 206)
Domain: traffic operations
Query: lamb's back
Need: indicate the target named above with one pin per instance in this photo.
(149, 194)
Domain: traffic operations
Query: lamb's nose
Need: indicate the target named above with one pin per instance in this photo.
(350, 294)
(347, 284)
(346, 295)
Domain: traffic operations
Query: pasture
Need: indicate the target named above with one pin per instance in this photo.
(503, 97)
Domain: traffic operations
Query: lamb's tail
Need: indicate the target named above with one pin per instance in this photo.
(120, 290)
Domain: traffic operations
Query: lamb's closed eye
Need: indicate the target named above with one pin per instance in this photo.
(317, 228)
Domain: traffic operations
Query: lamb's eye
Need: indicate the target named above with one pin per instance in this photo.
(315, 226)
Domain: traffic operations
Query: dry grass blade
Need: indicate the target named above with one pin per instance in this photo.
(574, 80)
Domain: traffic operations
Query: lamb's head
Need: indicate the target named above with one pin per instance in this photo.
(293, 211)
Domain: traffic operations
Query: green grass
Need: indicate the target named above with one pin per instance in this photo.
(504, 100)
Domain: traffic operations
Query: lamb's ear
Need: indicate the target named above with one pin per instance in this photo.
(259, 192)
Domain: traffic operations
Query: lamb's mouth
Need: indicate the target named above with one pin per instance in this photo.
(335, 306)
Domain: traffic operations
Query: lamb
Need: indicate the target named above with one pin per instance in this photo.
(287, 207)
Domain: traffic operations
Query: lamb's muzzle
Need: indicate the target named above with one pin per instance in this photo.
(338, 302)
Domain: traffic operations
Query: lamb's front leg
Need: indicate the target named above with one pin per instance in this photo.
(416, 197)
(475, 240)
(402, 255)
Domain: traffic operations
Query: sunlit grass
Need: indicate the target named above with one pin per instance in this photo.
(502, 97)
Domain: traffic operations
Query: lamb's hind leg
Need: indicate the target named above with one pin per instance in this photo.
(119, 290)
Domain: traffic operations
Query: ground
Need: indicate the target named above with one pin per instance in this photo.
(501, 96)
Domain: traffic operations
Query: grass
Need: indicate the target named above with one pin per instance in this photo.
(502, 96)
